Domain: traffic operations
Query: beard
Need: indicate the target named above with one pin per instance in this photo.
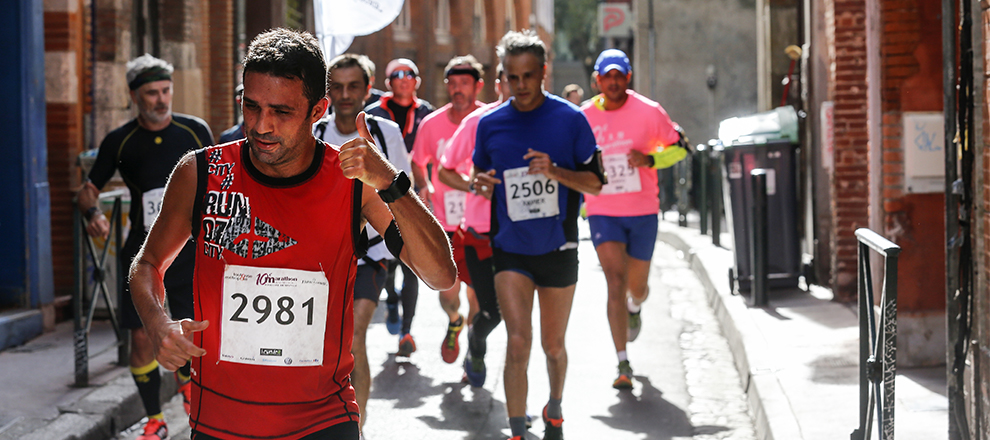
(157, 114)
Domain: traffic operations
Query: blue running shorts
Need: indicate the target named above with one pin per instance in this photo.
(638, 233)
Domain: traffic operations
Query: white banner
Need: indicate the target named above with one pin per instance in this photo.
(339, 21)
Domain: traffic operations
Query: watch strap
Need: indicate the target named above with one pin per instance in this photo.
(399, 188)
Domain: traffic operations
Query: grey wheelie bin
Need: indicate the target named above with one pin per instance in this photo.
(769, 141)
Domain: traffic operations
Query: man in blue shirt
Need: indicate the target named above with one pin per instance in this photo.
(533, 157)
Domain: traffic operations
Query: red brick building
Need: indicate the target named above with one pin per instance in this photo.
(910, 118)
(88, 43)
(872, 79)
(431, 33)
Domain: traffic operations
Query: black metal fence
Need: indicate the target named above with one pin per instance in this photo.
(698, 182)
(90, 288)
(877, 340)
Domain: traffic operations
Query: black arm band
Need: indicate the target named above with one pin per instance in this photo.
(393, 239)
(596, 166)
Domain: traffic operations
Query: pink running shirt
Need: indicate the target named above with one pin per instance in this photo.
(478, 211)
(434, 132)
(640, 124)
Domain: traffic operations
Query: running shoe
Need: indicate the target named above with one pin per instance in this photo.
(406, 345)
(186, 391)
(393, 322)
(635, 324)
(518, 437)
(450, 347)
(553, 429)
(474, 370)
(624, 380)
(154, 430)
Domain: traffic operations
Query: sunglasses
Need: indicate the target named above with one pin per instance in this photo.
(403, 74)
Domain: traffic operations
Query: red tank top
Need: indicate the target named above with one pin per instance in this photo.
(274, 270)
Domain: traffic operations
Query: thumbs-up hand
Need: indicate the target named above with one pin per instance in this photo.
(359, 159)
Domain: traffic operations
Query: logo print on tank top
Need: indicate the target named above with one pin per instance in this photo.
(227, 225)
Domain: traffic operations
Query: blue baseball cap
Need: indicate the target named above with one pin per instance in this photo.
(612, 59)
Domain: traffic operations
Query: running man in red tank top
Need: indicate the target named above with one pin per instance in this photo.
(276, 219)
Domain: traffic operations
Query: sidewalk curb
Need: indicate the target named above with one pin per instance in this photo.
(99, 415)
(768, 404)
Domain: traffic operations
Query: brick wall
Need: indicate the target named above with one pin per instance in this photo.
(64, 42)
(850, 185)
(86, 100)
(911, 72)
(431, 56)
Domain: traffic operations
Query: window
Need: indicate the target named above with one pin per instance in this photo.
(478, 24)
(510, 16)
(443, 22)
(402, 26)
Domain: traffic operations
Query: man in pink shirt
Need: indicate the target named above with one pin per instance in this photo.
(462, 77)
(636, 137)
(472, 235)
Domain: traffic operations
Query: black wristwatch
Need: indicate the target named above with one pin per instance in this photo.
(91, 212)
(399, 187)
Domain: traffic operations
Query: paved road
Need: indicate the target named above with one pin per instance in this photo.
(686, 386)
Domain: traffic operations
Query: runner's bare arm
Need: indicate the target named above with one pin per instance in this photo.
(454, 179)
(172, 340)
(426, 250)
(425, 186)
(583, 181)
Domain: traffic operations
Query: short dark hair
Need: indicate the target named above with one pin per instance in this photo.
(348, 60)
(291, 54)
(515, 43)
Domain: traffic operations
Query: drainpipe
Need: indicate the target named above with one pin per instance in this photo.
(652, 37)
(951, 209)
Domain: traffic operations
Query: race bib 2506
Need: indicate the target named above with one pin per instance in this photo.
(530, 196)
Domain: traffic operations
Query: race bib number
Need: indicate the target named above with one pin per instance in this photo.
(151, 205)
(530, 196)
(273, 317)
(621, 177)
(453, 206)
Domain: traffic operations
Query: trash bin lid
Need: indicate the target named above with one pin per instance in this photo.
(760, 128)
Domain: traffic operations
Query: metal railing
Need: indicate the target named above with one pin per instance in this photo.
(89, 289)
(698, 179)
(877, 341)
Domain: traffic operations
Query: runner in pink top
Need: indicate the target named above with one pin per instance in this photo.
(435, 132)
(472, 236)
(636, 136)
(457, 159)
(639, 125)
(462, 76)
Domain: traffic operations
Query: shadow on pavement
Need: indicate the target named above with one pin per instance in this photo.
(649, 413)
(401, 381)
(469, 410)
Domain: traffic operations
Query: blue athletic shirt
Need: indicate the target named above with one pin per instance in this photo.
(504, 135)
